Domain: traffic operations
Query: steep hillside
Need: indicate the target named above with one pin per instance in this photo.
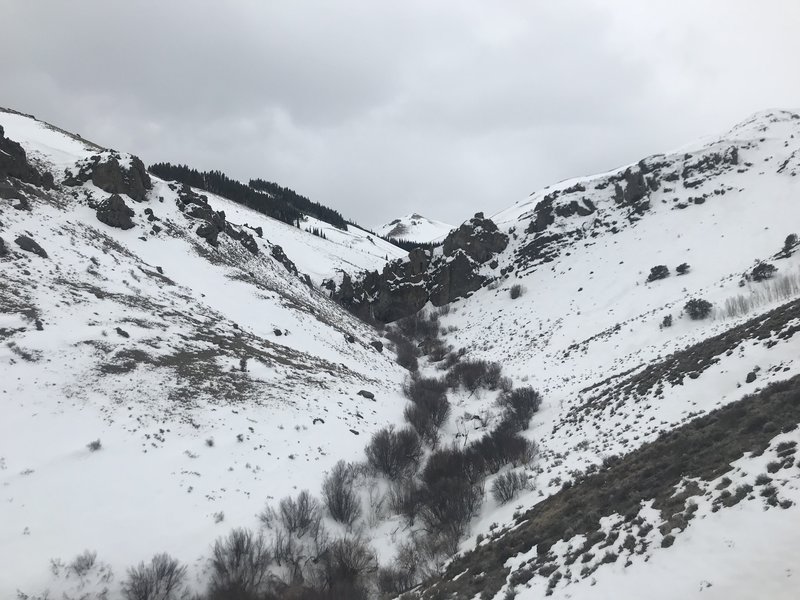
(573, 308)
(189, 343)
(415, 228)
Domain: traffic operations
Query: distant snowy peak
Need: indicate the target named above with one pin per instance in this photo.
(415, 228)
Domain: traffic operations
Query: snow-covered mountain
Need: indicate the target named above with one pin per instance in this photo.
(415, 228)
(653, 308)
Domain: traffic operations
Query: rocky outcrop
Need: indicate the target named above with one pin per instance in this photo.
(29, 245)
(478, 238)
(215, 223)
(14, 163)
(113, 174)
(3, 250)
(115, 213)
(279, 255)
(406, 285)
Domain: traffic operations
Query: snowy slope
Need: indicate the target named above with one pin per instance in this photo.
(587, 331)
(155, 343)
(415, 228)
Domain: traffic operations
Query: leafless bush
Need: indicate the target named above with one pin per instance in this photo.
(162, 579)
(475, 374)
(503, 446)
(420, 326)
(520, 405)
(345, 568)
(300, 516)
(393, 581)
(404, 499)
(94, 446)
(240, 566)
(82, 563)
(516, 291)
(776, 289)
(394, 453)
(506, 486)
(337, 490)
(448, 506)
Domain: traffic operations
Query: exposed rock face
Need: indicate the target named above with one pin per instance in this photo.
(107, 172)
(196, 206)
(3, 250)
(29, 245)
(404, 286)
(479, 238)
(114, 212)
(14, 163)
(209, 232)
(279, 255)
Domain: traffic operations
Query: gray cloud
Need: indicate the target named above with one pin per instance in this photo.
(380, 109)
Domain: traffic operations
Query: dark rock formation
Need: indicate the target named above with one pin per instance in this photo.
(3, 249)
(209, 232)
(106, 172)
(14, 163)
(114, 212)
(366, 394)
(479, 239)
(279, 255)
(377, 345)
(406, 285)
(29, 245)
(121, 332)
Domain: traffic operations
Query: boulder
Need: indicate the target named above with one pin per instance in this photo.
(29, 245)
(115, 213)
(366, 394)
(209, 232)
(14, 163)
(107, 172)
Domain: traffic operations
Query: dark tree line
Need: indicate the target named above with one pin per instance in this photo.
(301, 203)
(267, 198)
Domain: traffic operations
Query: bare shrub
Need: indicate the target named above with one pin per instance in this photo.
(406, 353)
(404, 499)
(455, 463)
(427, 419)
(394, 453)
(503, 446)
(393, 581)
(520, 405)
(341, 501)
(448, 506)
(506, 486)
(240, 566)
(300, 516)
(475, 374)
(162, 579)
(94, 446)
(516, 291)
(345, 568)
(419, 326)
(776, 289)
(82, 563)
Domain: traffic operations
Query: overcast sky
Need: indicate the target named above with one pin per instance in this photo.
(382, 108)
